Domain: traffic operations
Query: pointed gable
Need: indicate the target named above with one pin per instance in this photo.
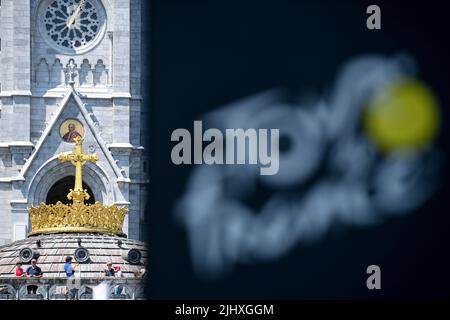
(50, 144)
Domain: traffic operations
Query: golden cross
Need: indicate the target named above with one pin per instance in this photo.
(78, 159)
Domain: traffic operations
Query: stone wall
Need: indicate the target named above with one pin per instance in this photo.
(33, 84)
(57, 289)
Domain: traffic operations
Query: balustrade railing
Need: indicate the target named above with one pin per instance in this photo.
(64, 289)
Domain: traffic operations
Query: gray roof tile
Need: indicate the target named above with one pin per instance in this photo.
(54, 249)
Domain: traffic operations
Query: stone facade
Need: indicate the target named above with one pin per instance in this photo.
(36, 97)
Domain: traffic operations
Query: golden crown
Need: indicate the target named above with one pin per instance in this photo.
(77, 217)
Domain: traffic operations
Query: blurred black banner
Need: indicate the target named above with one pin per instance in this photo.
(204, 55)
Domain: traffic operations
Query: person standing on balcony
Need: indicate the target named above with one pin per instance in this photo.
(19, 270)
(109, 271)
(118, 274)
(33, 271)
(70, 269)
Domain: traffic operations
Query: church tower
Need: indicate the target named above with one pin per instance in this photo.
(70, 68)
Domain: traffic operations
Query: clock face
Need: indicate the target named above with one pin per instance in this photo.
(72, 26)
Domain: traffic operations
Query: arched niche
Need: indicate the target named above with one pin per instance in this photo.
(53, 171)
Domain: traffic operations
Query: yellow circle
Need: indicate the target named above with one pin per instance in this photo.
(402, 115)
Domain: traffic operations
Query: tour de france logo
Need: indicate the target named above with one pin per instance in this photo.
(71, 129)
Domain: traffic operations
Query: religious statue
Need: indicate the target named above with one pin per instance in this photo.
(71, 71)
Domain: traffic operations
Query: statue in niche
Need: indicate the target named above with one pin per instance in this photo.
(71, 71)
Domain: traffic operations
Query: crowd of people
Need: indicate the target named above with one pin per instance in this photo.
(33, 271)
(70, 269)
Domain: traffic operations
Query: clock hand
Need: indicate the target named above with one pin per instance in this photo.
(71, 20)
(76, 14)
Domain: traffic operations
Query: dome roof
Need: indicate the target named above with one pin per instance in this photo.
(53, 249)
